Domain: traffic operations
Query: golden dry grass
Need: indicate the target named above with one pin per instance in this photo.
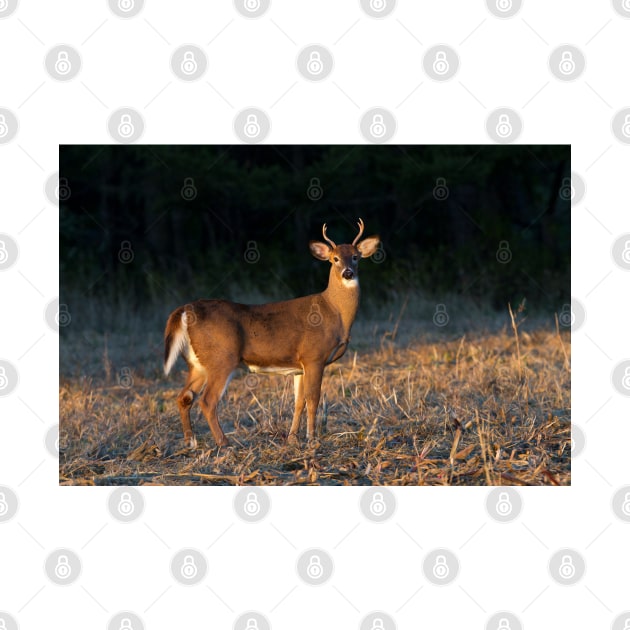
(436, 409)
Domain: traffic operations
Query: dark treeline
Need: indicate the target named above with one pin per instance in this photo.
(142, 222)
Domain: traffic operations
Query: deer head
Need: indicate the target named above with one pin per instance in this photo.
(345, 258)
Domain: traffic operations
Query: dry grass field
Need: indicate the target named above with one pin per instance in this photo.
(480, 401)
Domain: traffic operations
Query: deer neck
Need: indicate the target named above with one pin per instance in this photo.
(344, 298)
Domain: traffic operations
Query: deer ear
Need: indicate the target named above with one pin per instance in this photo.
(368, 246)
(321, 251)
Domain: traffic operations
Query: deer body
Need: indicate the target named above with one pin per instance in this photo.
(296, 337)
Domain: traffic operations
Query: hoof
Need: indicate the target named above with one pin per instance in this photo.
(223, 442)
(292, 439)
(190, 442)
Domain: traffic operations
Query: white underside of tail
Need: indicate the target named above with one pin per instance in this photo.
(179, 343)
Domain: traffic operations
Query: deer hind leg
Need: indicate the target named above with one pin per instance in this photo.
(312, 388)
(300, 401)
(217, 384)
(194, 385)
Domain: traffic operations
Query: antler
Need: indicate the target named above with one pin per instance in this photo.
(361, 226)
(332, 243)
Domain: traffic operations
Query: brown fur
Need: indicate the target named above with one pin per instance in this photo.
(298, 337)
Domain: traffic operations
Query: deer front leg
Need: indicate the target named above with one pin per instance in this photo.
(298, 385)
(312, 388)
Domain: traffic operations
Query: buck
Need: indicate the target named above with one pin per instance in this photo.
(298, 337)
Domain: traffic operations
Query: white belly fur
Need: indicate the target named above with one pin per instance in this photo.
(272, 369)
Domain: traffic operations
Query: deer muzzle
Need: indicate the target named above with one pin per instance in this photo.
(347, 274)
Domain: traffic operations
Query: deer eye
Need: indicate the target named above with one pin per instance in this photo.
(355, 258)
(336, 259)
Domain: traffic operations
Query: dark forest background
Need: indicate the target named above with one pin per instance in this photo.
(143, 225)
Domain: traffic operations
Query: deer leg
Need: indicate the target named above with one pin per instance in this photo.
(194, 385)
(300, 401)
(210, 400)
(312, 389)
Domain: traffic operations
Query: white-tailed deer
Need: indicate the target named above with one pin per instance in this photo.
(297, 337)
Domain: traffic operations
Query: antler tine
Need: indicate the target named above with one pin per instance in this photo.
(332, 243)
(361, 227)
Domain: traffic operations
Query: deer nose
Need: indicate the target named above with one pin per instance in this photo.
(347, 274)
